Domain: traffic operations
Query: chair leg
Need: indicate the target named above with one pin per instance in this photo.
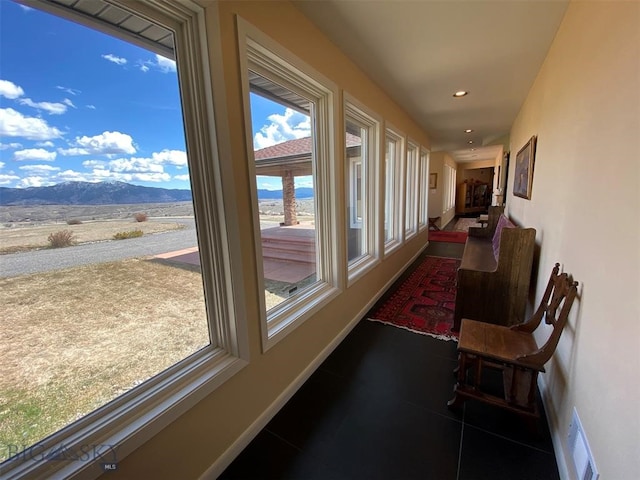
(461, 372)
(456, 402)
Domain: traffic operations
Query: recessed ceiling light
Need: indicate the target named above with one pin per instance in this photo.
(461, 93)
(468, 130)
(473, 149)
(470, 141)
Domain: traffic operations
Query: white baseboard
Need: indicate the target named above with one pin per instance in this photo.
(556, 437)
(222, 462)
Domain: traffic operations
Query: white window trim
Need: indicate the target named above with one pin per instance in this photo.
(133, 418)
(423, 191)
(359, 114)
(411, 229)
(263, 55)
(397, 214)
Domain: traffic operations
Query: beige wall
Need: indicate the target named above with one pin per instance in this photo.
(190, 445)
(585, 108)
(478, 174)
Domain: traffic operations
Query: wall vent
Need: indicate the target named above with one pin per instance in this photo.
(583, 463)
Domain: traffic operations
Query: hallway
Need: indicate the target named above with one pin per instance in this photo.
(376, 408)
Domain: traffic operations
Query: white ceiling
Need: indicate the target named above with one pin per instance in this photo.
(422, 51)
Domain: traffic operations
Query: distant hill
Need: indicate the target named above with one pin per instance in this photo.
(110, 193)
(86, 193)
(302, 192)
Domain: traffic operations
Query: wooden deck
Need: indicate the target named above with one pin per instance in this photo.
(289, 253)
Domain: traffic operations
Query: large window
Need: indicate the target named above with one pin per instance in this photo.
(288, 111)
(107, 341)
(394, 150)
(361, 165)
(411, 192)
(449, 194)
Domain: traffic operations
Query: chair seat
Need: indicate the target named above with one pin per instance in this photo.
(496, 342)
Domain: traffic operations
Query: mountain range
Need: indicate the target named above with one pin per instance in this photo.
(110, 193)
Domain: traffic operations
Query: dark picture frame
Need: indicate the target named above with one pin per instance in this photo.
(523, 177)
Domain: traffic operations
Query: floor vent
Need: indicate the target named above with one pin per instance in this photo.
(580, 452)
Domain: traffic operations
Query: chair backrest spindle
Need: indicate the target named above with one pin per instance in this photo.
(556, 304)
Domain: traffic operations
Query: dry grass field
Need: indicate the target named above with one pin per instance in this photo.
(29, 237)
(74, 339)
(66, 350)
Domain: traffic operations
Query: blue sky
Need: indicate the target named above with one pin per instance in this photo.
(76, 104)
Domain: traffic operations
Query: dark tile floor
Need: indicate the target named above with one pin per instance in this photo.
(376, 409)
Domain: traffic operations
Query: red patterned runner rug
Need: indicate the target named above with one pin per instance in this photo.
(446, 236)
(425, 301)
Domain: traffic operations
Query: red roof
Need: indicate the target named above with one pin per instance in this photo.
(296, 147)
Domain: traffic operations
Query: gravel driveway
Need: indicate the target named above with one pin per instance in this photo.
(45, 260)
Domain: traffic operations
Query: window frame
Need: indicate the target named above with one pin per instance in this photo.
(132, 418)
(410, 219)
(357, 113)
(263, 55)
(356, 215)
(423, 190)
(396, 222)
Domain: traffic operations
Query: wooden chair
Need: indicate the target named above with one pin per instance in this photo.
(513, 350)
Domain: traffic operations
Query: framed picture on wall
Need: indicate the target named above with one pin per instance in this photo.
(524, 169)
(433, 180)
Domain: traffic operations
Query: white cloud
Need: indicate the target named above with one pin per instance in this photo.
(269, 183)
(2, 165)
(106, 143)
(50, 107)
(71, 176)
(163, 64)
(40, 169)
(68, 103)
(14, 124)
(35, 181)
(93, 163)
(10, 90)
(306, 181)
(172, 157)
(136, 165)
(72, 152)
(47, 144)
(8, 179)
(7, 146)
(132, 169)
(103, 174)
(114, 59)
(151, 177)
(285, 127)
(70, 91)
(91, 107)
(140, 165)
(34, 154)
